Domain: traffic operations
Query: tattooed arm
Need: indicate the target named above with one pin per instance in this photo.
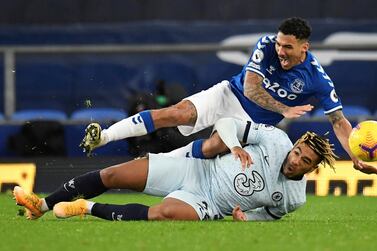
(254, 91)
(342, 128)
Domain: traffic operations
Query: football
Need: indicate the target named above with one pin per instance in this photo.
(363, 140)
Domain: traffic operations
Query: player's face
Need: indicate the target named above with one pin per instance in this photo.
(301, 159)
(290, 50)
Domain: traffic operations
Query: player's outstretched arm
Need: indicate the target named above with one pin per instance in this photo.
(342, 128)
(254, 91)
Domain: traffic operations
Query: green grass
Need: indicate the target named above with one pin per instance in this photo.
(324, 223)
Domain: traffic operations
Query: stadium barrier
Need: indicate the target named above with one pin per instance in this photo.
(344, 180)
(22, 174)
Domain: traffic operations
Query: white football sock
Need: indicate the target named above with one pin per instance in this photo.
(44, 207)
(90, 205)
(125, 128)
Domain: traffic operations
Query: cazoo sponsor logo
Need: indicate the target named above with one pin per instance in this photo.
(275, 87)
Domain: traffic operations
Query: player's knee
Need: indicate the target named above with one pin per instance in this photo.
(167, 213)
(161, 212)
(108, 177)
(185, 112)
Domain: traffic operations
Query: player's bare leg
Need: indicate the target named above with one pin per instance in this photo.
(172, 209)
(183, 113)
(130, 175)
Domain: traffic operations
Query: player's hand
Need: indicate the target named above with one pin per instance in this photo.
(364, 167)
(92, 138)
(238, 215)
(243, 156)
(297, 111)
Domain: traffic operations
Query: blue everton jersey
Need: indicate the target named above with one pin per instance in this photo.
(291, 87)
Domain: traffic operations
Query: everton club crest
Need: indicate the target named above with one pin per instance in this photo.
(297, 86)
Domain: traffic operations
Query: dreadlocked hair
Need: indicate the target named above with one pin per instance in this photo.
(321, 146)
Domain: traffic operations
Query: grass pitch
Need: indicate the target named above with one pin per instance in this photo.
(324, 223)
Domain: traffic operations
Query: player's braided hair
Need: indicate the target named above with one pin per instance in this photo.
(321, 146)
(297, 27)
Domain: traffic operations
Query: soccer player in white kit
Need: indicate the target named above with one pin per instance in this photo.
(201, 189)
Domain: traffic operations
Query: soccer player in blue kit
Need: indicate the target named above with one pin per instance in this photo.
(200, 189)
(279, 77)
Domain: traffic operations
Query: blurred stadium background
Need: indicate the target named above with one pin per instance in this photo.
(67, 63)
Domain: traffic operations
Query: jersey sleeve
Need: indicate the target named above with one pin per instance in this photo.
(261, 55)
(233, 131)
(326, 91)
(229, 130)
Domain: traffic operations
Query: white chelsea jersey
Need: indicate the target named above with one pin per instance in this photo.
(262, 189)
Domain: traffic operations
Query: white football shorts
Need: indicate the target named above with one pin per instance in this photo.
(184, 179)
(211, 105)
